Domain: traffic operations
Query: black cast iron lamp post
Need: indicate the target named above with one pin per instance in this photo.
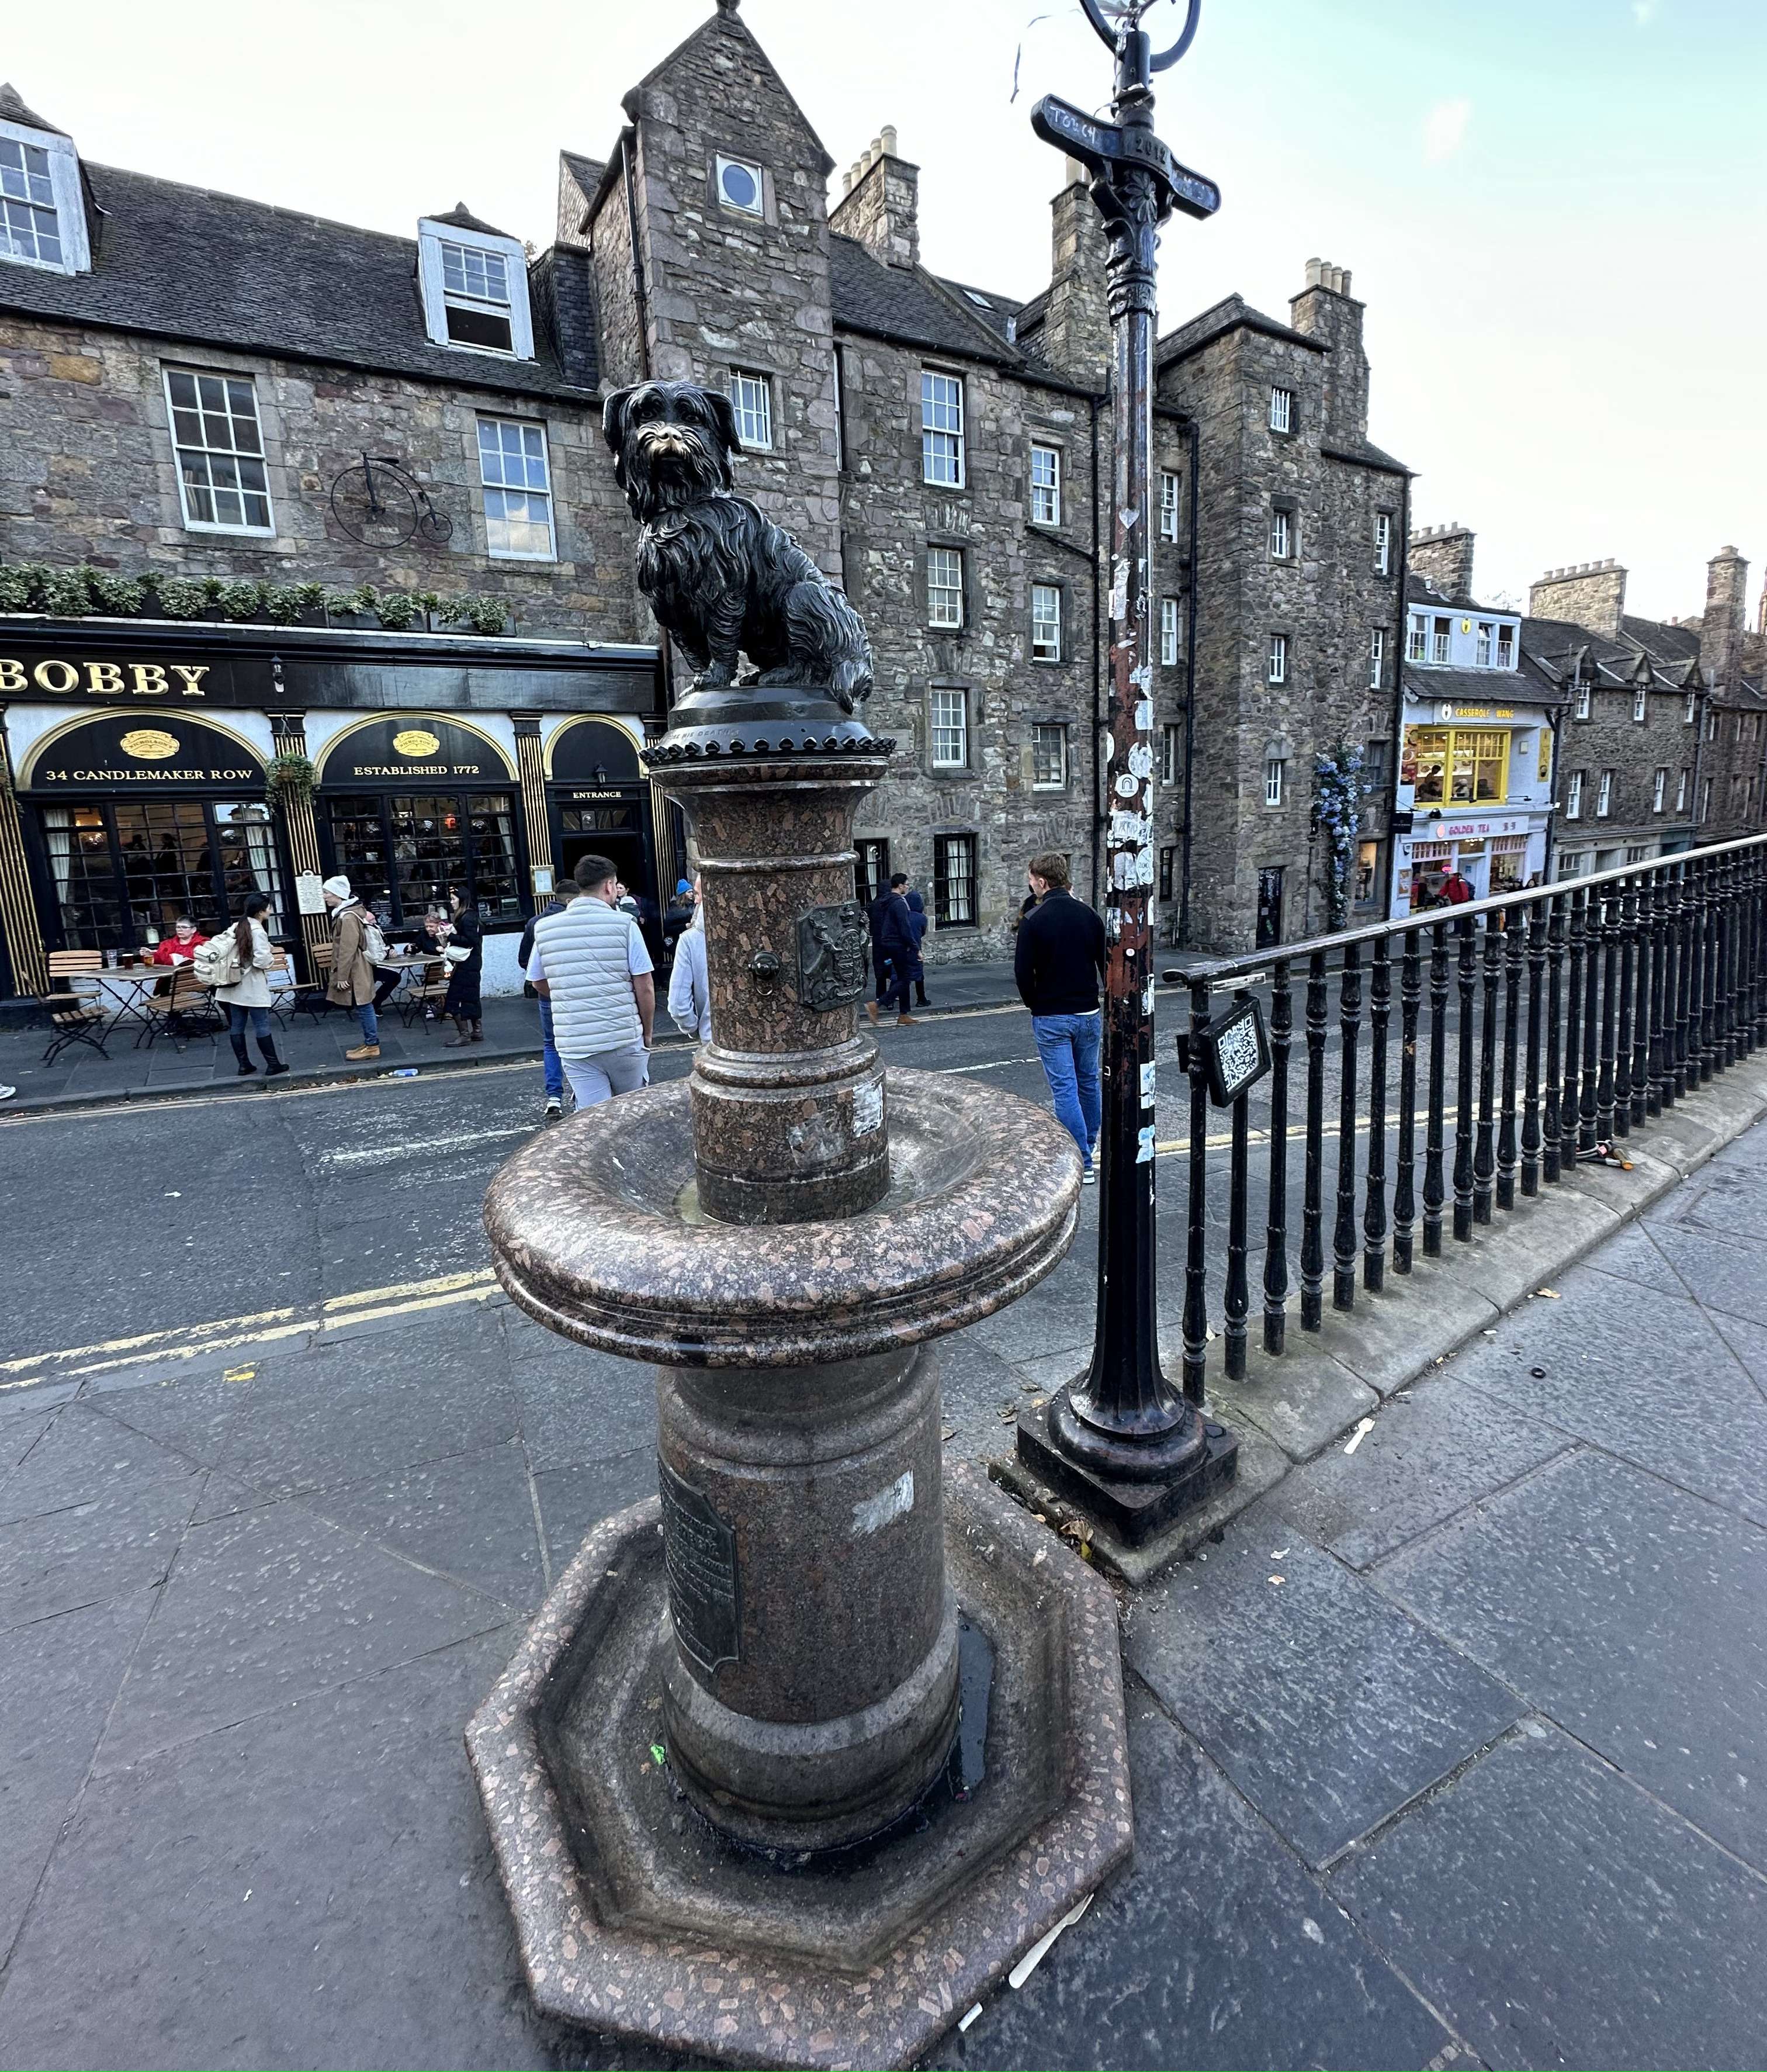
(1122, 1422)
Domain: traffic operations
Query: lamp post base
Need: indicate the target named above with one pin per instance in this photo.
(1131, 1511)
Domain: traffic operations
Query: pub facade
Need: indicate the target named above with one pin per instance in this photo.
(152, 769)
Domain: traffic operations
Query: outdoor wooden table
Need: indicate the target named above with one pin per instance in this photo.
(404, 962)
(128, 987)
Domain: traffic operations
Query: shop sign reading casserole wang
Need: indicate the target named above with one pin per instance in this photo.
(103, 680)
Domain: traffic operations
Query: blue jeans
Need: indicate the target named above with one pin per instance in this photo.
(553, 1064)
(371, 1028)
(1068, 1045)
(235, 1020)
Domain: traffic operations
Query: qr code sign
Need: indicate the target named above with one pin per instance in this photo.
(1237, 1048)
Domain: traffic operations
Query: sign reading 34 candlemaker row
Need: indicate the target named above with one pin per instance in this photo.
(116, 751)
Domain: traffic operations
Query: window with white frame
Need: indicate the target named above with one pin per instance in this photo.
(1282, 533)
(1045, 485)
(1571, 867)
(1712, 722)
(1274, 766)
(43, 214)
(1573, 795)
(1441, 631)
(1705, 801)
(219, 450)
(945, 588)
(1377, 656)
(954, 881)
(740, 185)
(1603, 795)
(475, 286)
(1638, 708)
(1681, 789)
(1170, 635)
(1659, 788)
(1045, 622)
(1506, 647)
(1276, 662)
(751, 400)
(1383, 543)
(941, 429)
(1481, 645)
(1692, 699)
(517, 490)
(1169, 504)
(1168, 754)
(1417, 638)
(1049, 756)
(1282, 409)
(1585, 694)
(950, 729)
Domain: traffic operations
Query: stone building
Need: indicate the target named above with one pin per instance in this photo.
(370, 448)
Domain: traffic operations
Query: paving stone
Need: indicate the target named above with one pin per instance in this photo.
(1721, 1269)
(1749, 1343)
(273, 1605)
(111, 1546)
(313, 1888)
(1727, 1197)
(81, 1455)
(1556, 1915)
(1216, 1949)
(1387, 1337)
(576, 1405)
(1650, 1379)
(1614, 1602)
(1303, 1401)
(57, 1680)
(1434, 1449)
(1324, 1704)
(469, 1518)
(187, 1411)
(573, 1499)
(1632, 1254)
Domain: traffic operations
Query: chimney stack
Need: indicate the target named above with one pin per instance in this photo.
(880, 203)
(1442, 556)
(1077, 326)
(1591, 594)
(1721, 629)
(1326, 309)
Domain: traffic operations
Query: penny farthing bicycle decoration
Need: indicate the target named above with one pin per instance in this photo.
(1116, 17)
(380, 503)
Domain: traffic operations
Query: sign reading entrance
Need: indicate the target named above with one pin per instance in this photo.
(115, 753)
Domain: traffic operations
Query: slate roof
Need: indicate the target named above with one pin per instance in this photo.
(1662, 642)
(1528, 683)
(1002, 314)
(13, 110)
(1231, 313)
(187, 263)
(462, 218)
(908, 307)
(1418, 590)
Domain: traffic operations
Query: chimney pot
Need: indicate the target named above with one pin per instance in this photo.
(888, 139)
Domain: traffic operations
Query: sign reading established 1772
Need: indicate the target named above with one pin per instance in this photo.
(699, 1552)
(411, 748)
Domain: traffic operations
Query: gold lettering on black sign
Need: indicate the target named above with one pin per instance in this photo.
(103, 680)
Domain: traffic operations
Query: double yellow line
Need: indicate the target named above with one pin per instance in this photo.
(188, 1341)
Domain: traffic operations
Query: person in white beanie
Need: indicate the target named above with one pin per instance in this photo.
(351, 982)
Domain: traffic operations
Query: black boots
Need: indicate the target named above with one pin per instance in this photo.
(247, 1069)
(478, 1030)
(463, 1033)
(272, 1064)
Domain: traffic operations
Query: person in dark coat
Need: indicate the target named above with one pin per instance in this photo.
(1057, 961)
(894, 950)
(462, 1002)
(917, 910)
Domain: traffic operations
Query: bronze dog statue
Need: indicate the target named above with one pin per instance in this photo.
(722, 579)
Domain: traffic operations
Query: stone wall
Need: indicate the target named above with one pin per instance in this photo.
(87, 474)
(1442, 556)
(1611, 739)
(1591, 593)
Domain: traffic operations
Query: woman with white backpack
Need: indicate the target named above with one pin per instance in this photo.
(236, 963)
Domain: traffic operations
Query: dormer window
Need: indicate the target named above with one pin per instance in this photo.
(42, 216)
(475, 286)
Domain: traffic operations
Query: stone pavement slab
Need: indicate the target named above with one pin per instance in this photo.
(1556, 1915)
(1321, 1700)
(1218, 1950)
(1612, 1602)
(87, 1553)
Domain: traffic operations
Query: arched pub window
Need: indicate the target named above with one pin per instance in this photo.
(410, 809)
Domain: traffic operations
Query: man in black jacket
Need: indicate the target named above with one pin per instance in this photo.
(894, 950)
(1059, 962)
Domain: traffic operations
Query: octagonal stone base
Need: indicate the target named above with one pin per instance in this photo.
(635, 1917)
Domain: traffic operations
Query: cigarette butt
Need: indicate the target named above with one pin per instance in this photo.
(1359, 1434)
(969, 2017)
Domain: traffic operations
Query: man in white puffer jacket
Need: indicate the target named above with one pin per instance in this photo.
(589, 960)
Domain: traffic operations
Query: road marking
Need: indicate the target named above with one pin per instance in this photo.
(994, 1065)
(267, 1326)
(384, 1154)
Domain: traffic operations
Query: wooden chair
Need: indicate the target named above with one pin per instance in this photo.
(187, 1008)
(284, 996)
(313, 1000)
(77, 1012)
(428, 991)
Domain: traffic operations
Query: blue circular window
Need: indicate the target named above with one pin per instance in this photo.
(741, 187)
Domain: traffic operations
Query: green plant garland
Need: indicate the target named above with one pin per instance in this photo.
(80, 592)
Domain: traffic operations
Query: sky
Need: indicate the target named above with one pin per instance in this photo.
(1552, 208)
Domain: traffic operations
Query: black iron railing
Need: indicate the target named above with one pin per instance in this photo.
(1533, 1031)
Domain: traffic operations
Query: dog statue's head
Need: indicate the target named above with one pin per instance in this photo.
(672, 442)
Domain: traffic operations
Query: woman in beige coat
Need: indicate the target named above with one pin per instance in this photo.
(351, 982)
(249, 995)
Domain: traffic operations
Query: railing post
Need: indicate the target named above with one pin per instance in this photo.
(1683, 1055)
(1404, 1191)
(1732, 935)
(1514, 921)
(1708, 976)
(1662, 1092)
(1343, 1235)
(1275, 1247)
(1463, 1118)
(1235, 1299)
(1483, 1155)
(1638, 949)
(1313, 1245)
(1531, 1097)
(1438, 1090)
(1573, 1031)
(1758, 1005)
(1380, 996)
(1611, 921)
(1595, 916)
(1551, 1149)
(1196, 1264)
(1627, 917)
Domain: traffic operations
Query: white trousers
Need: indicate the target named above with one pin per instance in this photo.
(595, 1079)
